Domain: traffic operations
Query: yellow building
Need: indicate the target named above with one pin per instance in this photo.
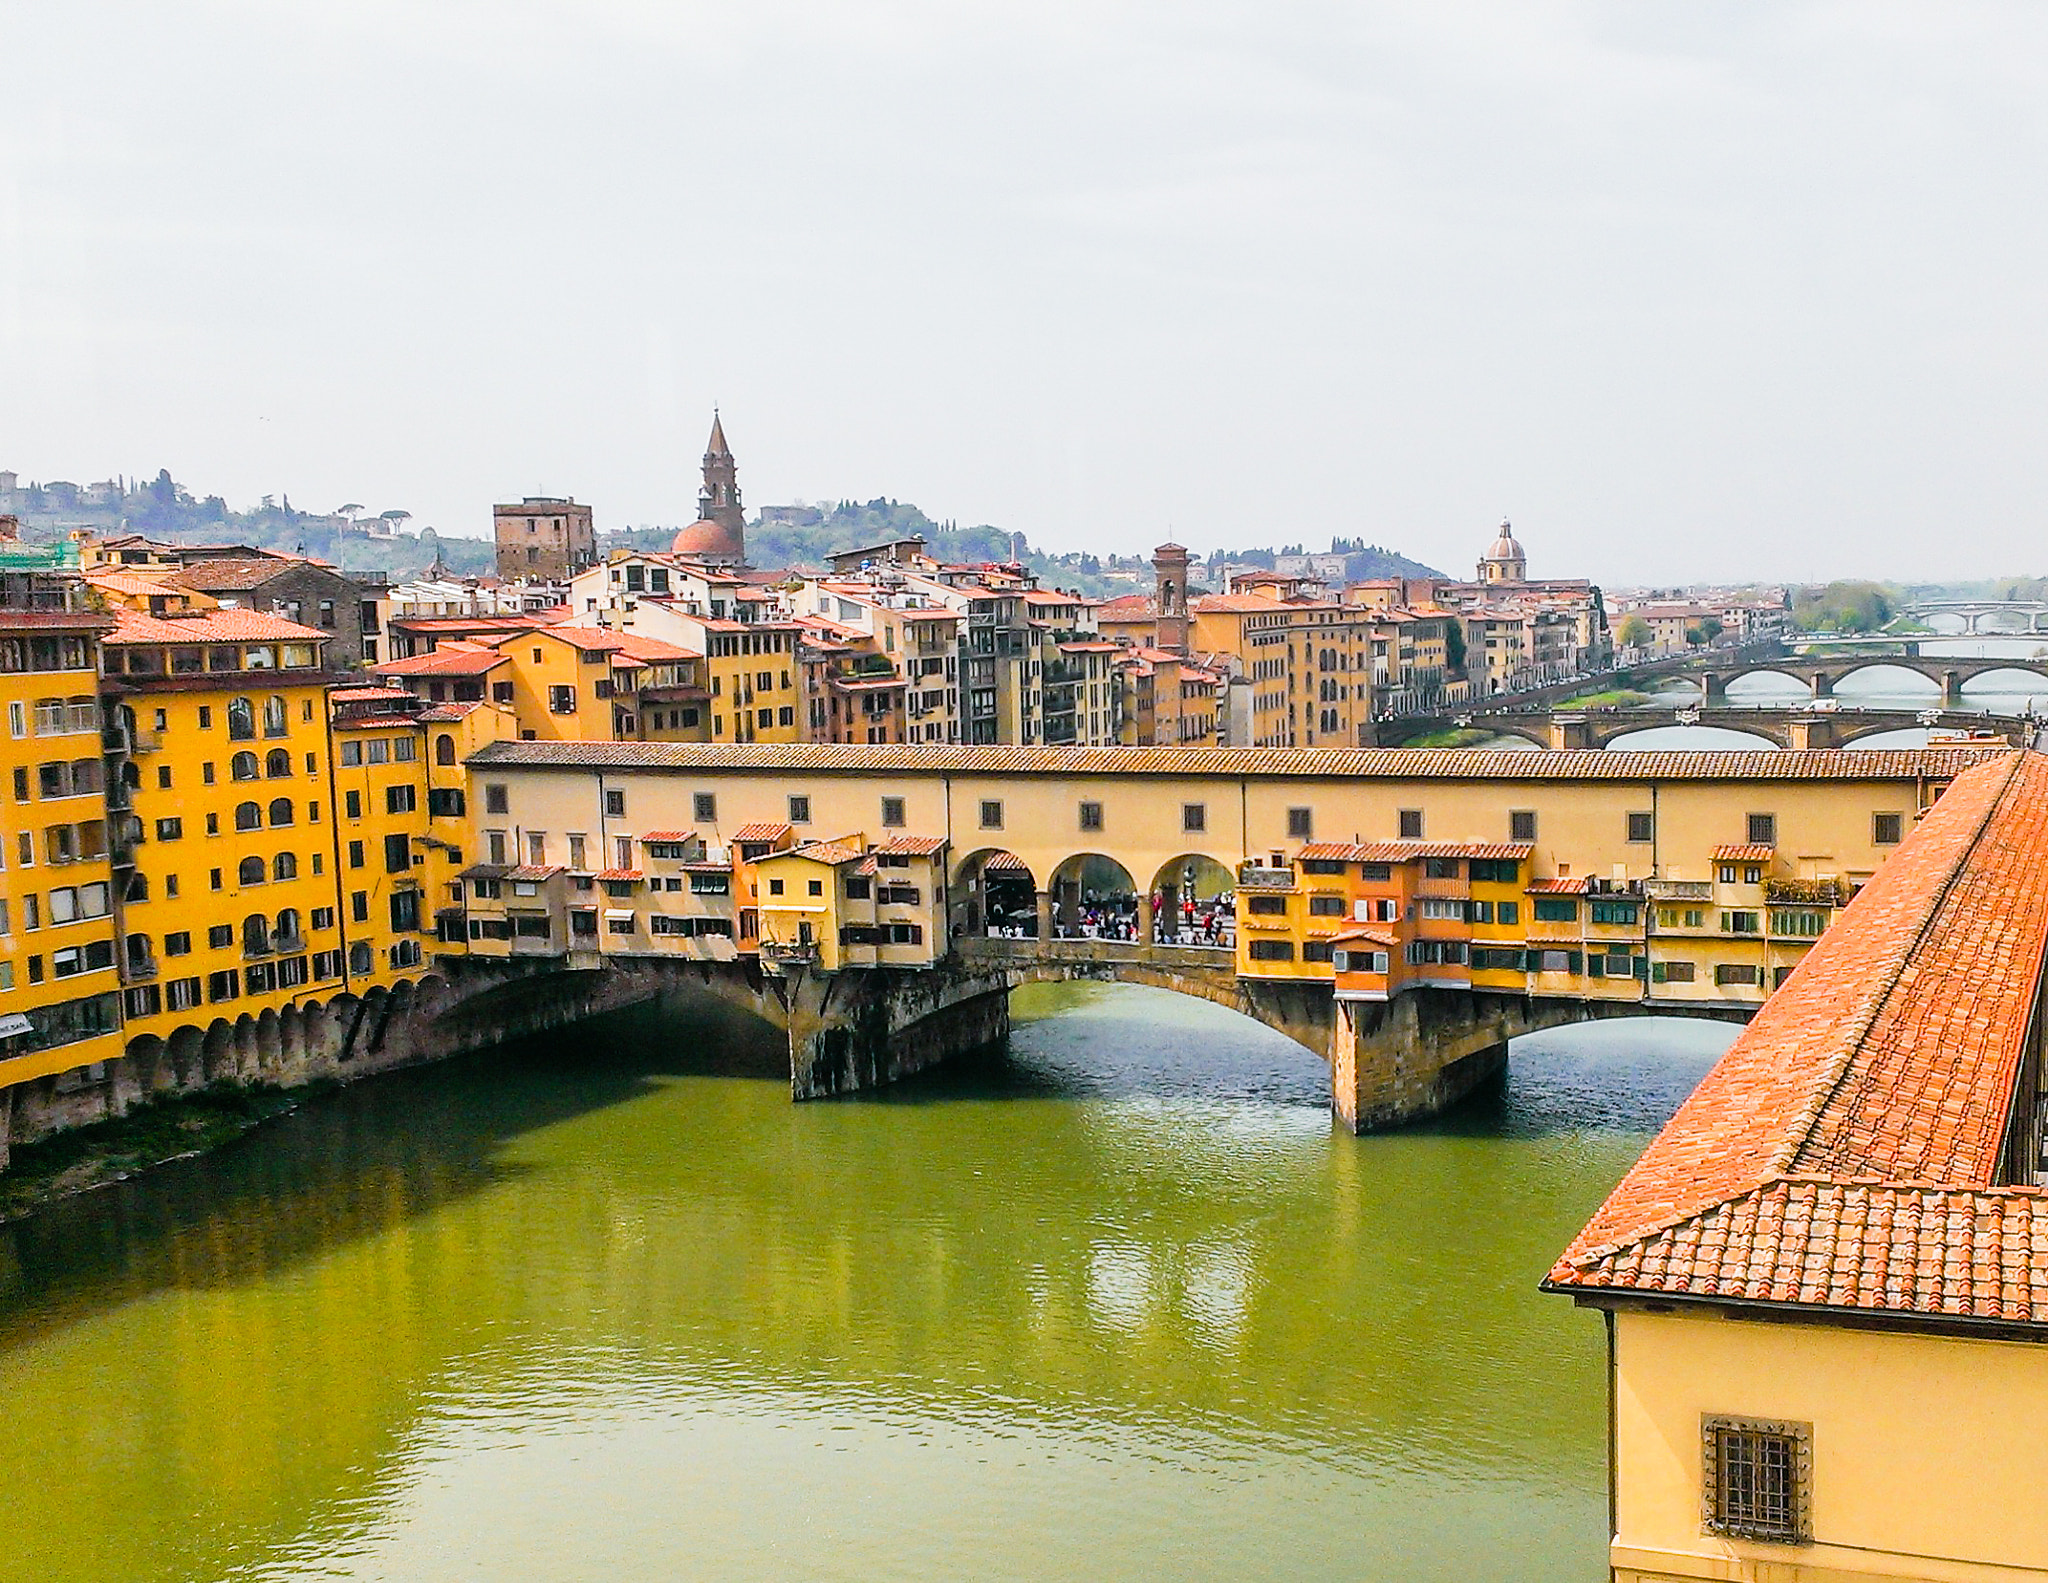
(227, 896)
(59, 1001)
(1825, 1283)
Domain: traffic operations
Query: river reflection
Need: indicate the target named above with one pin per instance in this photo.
(1121, 1304)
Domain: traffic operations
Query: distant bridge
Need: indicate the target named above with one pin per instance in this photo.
(2033, 613)
(1794, 727)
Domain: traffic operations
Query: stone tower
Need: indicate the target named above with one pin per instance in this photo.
(720, 531)
(1170, 594)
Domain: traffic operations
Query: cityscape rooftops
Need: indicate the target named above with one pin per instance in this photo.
(210, 626)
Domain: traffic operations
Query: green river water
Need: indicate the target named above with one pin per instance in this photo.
(1119, 1304)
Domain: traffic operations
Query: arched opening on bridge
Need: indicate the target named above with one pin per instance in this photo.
(1680, 739)
(1768, 688)
(1193, 903)
(1620, 1075)
(994, 893)
(1875, 741)
(2007, 690)
(1880, 684)
(1094, 898)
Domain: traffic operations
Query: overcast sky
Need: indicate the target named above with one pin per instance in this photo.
(1687, 291)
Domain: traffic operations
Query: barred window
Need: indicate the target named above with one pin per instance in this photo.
(1756, 1480)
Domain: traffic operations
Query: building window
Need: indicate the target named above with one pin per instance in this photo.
(705, 807)
(892, 813)
(799, 810)
(1642, 827)
(1271, 950)
(1763, 829)
(991, 814)
(1555, 909)
(1521, 824)
(495, 800)
(1194, 817)
(1091, 816)
(1410, 824)
(403, 798)
(1736, 973)
(1887, 829)
(615, 804)
(1742, 922)
(1756, 1480)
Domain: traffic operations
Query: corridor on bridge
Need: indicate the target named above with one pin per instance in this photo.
(1190, 902)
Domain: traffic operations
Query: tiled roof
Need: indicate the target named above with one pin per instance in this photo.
(533, 872)
(54, 621)
(760, 830)
(208, 626)
(441, 714)
(833, 852)
(1745, 852)
(1556, 887)
(356, 695)
(651, 650)
(590, 640)
(913, 845)
(1408, 851)
(229, 572)
(1004, 863)
(449, 659)
(618, 876)
(1847, 1151)
(1876, 764)
(667, 835)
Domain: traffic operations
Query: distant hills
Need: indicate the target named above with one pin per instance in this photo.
(800, 535)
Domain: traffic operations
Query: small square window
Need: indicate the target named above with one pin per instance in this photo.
(704, 807)
(1763, 829)
(1642, 827)
(1410, 824)
(495, 800)
(1300, 823)
(1887, 829)
(1756, 1480)
(815, 887)
(799, 810)
(1194, 817)
(1091, 816)
(991, 814)
(1522, 824)
(892, 813)
(615, 804)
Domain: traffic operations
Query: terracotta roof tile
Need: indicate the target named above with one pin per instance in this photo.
(209, 626)
(618, 876)
(1745, 852)
(449, 659)
(1847, 1150)
(1409, 851)
(761, 830)
(913, 845)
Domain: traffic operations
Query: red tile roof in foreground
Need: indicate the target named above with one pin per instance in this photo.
(1848, 1152)
(209, 626)
(1745, 852)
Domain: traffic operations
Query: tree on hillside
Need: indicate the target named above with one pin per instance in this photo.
(1846, 607)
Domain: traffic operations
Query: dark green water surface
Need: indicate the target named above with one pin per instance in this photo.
(1120, 1305)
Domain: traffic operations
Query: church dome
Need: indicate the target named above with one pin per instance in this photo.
(1506, 547)
(707, 540)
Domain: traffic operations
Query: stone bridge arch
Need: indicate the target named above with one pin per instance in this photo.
(994, 890)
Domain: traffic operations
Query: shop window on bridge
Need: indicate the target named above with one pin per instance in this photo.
(1495, 871)
(1360, 962)
(899, 896)
(1441, 909)
(1556, 909)
(1556, 962)
(1381, 872)
(1497, 958)
(1321, 865)
(1318, 951)
(1798, 921)
(1427, 953)
(1671, 973)
(1740, 922)
(718, 884)
(1326, 906)
(1269, 906)
(1887, 829)
(1377, 909)
(1272, 950)
(1623, 912)
(1440, 868)
(1737, 973)
(1614, 964)
(858, 887)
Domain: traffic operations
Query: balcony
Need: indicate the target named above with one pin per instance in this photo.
(1679, 889)
(1806, 892)
(1254, 876)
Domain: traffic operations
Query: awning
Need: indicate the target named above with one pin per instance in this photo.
(618, 912)
(12, 1023)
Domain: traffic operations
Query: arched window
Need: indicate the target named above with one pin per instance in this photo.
(242, 767)
(284, 866)
(248, 816)
(241, 720)
(276, 721)
(249, 871)
(444, 749)
(286, 934)
(255, 934)
(131, 774)
(277, 763)
(280, 811)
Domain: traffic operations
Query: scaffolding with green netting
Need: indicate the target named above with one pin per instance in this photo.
(16, 556)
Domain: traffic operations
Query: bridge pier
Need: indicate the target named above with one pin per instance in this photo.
(1823, 685)
(1570, 731)
(1713, 688)
(1803, 732)
(1952, 689)
(859, 1029)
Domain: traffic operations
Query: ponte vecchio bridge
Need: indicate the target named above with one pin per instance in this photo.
(1539, 888)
